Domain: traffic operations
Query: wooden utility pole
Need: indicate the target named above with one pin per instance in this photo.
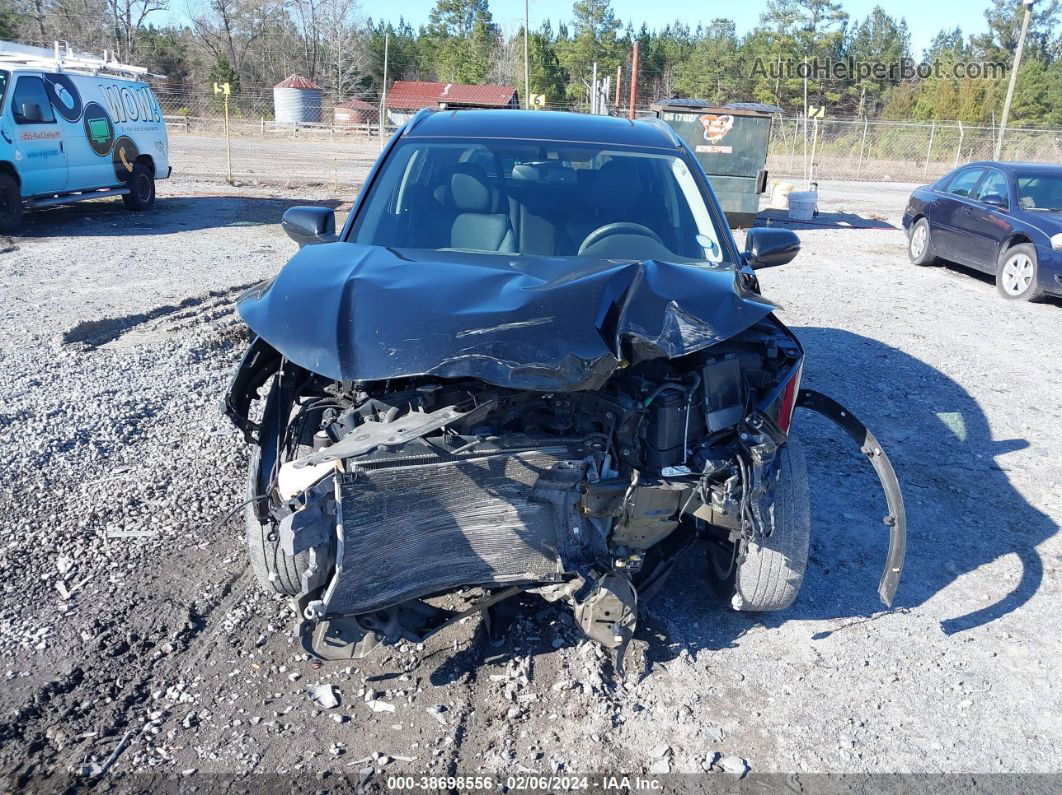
(1013, 76)
(527, 61)
(634, 80)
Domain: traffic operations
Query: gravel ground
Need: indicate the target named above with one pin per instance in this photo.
(129, 621)
(279, 159)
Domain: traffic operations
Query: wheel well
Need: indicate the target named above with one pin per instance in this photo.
(7, 168)
(147, 161)
(1013, 240)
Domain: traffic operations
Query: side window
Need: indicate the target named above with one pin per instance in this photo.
(965, 181)
(995, 183)
(29, 103)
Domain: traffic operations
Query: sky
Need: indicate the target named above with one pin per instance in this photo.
(924, 19)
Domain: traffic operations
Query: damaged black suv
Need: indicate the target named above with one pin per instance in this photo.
(532, 361)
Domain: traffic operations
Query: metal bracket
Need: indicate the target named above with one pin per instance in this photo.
(896, 520)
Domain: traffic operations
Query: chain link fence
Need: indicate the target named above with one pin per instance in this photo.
(896, 151)
(339, 149)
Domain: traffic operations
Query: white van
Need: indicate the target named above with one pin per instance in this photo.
(73, 128)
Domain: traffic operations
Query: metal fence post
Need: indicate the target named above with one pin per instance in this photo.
(929, 150)
(958, 149)
(863, 143)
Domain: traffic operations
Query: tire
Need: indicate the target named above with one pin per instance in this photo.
(10, 204)
(276, 571)
(920, 244)
(141, 184)
(770, 576)
(1016, 274)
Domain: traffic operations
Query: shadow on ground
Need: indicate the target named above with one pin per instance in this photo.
(170, 214)
(822, 220)
(987, 279)
(962, 510)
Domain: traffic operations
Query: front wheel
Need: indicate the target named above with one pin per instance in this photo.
(772, 570)
(1016, 274)
(277, 571)
(920, 245)
(10, 204)
(141, 184)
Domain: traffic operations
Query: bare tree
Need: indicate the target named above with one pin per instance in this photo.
(127, 18)
(227, 29)
(343, 45)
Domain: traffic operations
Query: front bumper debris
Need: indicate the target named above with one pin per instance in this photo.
(896, 519)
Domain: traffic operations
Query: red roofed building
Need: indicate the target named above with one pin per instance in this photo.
(405, 97)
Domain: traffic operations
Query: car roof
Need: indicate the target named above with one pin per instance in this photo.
(1013, 166)
(543, 125)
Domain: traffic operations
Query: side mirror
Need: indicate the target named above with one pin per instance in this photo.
(768, 247)
(994, 200)
(307, 225)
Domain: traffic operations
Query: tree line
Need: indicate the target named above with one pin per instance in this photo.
(252, 44)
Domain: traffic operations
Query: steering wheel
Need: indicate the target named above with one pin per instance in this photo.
(618, 228)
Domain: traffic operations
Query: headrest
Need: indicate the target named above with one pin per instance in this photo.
(616, 185)
(469, 189)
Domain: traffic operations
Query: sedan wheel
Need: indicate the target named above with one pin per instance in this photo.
(920, 247)
(1016, 274)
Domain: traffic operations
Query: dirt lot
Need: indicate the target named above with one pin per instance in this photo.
(129, 620)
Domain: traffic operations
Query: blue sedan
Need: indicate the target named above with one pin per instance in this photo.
(1001, 218)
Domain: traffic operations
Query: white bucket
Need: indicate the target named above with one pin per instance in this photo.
(802, 205)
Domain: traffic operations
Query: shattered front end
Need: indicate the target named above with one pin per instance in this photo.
(491, 461)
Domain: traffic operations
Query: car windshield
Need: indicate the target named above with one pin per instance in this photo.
(550, 199)
(3, 86)
(1041, 192)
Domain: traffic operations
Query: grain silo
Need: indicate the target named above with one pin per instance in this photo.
(355, 112)
(297, 100)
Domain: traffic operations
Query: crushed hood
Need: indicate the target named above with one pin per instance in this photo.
(363, 313)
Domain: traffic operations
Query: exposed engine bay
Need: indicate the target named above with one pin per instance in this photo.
(459, 424)
(382, 494)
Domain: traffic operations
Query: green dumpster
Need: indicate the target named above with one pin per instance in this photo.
(730, 142)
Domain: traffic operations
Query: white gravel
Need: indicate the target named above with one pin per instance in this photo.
(125, 605)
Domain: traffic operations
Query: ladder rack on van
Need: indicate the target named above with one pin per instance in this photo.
(62, 58)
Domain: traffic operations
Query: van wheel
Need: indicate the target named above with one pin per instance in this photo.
(141, 184)
(10, 204)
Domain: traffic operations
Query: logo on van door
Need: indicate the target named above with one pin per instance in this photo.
(131, 104)
(125, 152)
(98, 129)
(64, 96)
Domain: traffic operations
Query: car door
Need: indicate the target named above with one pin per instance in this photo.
(981, 228)
(40, 156)
(945, 215)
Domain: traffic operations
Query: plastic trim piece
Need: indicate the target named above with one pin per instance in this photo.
(896, 520)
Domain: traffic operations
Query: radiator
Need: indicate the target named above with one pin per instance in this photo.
(414, 530)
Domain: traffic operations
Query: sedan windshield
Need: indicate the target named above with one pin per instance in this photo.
(1041, 192)
(540, 198)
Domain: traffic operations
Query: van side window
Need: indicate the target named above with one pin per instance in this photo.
(29, 103)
